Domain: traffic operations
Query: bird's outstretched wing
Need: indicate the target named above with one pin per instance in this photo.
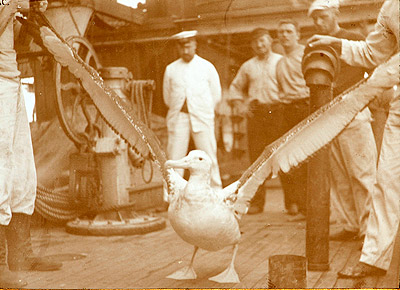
(116, 113)
(314, 132)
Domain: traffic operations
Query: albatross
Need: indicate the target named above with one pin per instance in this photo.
(203, 217)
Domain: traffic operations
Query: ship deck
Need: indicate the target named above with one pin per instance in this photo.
(144, 261)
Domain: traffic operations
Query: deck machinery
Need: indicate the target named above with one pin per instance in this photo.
(110, 186)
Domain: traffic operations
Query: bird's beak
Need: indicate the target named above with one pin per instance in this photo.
(181, 163)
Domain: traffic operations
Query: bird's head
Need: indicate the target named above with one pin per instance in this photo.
(196, 162)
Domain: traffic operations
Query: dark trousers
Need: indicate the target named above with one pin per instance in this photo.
(263, 128)
(294, 183)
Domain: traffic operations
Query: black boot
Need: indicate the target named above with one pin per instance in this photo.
(8, 279)
(20, 253)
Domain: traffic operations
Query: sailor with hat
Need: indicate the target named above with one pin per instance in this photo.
(383, 223)
(185, 35)
(191, 91)
(353, 153)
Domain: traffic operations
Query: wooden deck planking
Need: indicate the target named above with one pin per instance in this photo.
(314, 276)
(336, 264)
(142, 264)
(249, 245)
(104, 253)
(392, 278)
(255, 265)
(73, 268)
(68, 245)
(144, 261)
(296, 238)
(255, 240)
(368, 282)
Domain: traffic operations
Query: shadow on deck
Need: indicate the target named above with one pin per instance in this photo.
(143, 261)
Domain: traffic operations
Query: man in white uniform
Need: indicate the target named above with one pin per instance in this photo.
(352, 155)
(191, 91)
(17, 167)
(383, 222)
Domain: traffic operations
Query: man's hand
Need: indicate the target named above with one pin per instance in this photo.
(239, 108)
(317, 40)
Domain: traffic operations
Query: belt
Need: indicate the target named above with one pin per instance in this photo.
(298, 102)
(259, 105)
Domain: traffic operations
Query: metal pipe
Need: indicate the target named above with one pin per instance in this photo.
(320, 66)
(318, 197)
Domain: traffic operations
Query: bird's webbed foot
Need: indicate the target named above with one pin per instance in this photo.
(227, 276)
(185, 273)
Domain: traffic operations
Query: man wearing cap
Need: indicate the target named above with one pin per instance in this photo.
(191, 91)
(383, 222)
(294, 95)
(352, 155)
(254, 92)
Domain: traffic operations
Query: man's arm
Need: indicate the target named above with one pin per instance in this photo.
(239, 85)
(166, 87)
(215, 85)
(379, 45)
(278, 73)
(238, 91)
(7, 14)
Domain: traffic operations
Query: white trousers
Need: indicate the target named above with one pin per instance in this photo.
(178, 144)
(384, 216)
(17, 167)
(352, 161)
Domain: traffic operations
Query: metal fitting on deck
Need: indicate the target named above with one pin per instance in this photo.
(320, 65)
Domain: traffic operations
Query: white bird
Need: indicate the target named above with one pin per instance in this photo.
(201, 216)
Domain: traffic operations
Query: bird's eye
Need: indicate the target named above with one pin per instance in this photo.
(201, 158)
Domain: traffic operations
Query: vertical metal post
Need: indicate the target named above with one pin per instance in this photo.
(320, 65)
(112, 151)
(318, 197)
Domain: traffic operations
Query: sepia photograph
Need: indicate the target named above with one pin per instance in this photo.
(195, 144)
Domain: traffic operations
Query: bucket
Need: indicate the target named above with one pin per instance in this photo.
(287, 271)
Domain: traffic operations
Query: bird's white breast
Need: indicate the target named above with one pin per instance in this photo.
(204, 222)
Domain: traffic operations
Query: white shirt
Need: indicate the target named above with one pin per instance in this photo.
(256, 80)
(8, 56)
(198, 83)
(380, 44)
(291, 83)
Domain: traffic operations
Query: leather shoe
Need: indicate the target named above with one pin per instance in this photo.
(361, 270)
(343, 235)
(297, 218)
(293, 209)
(255, 209)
